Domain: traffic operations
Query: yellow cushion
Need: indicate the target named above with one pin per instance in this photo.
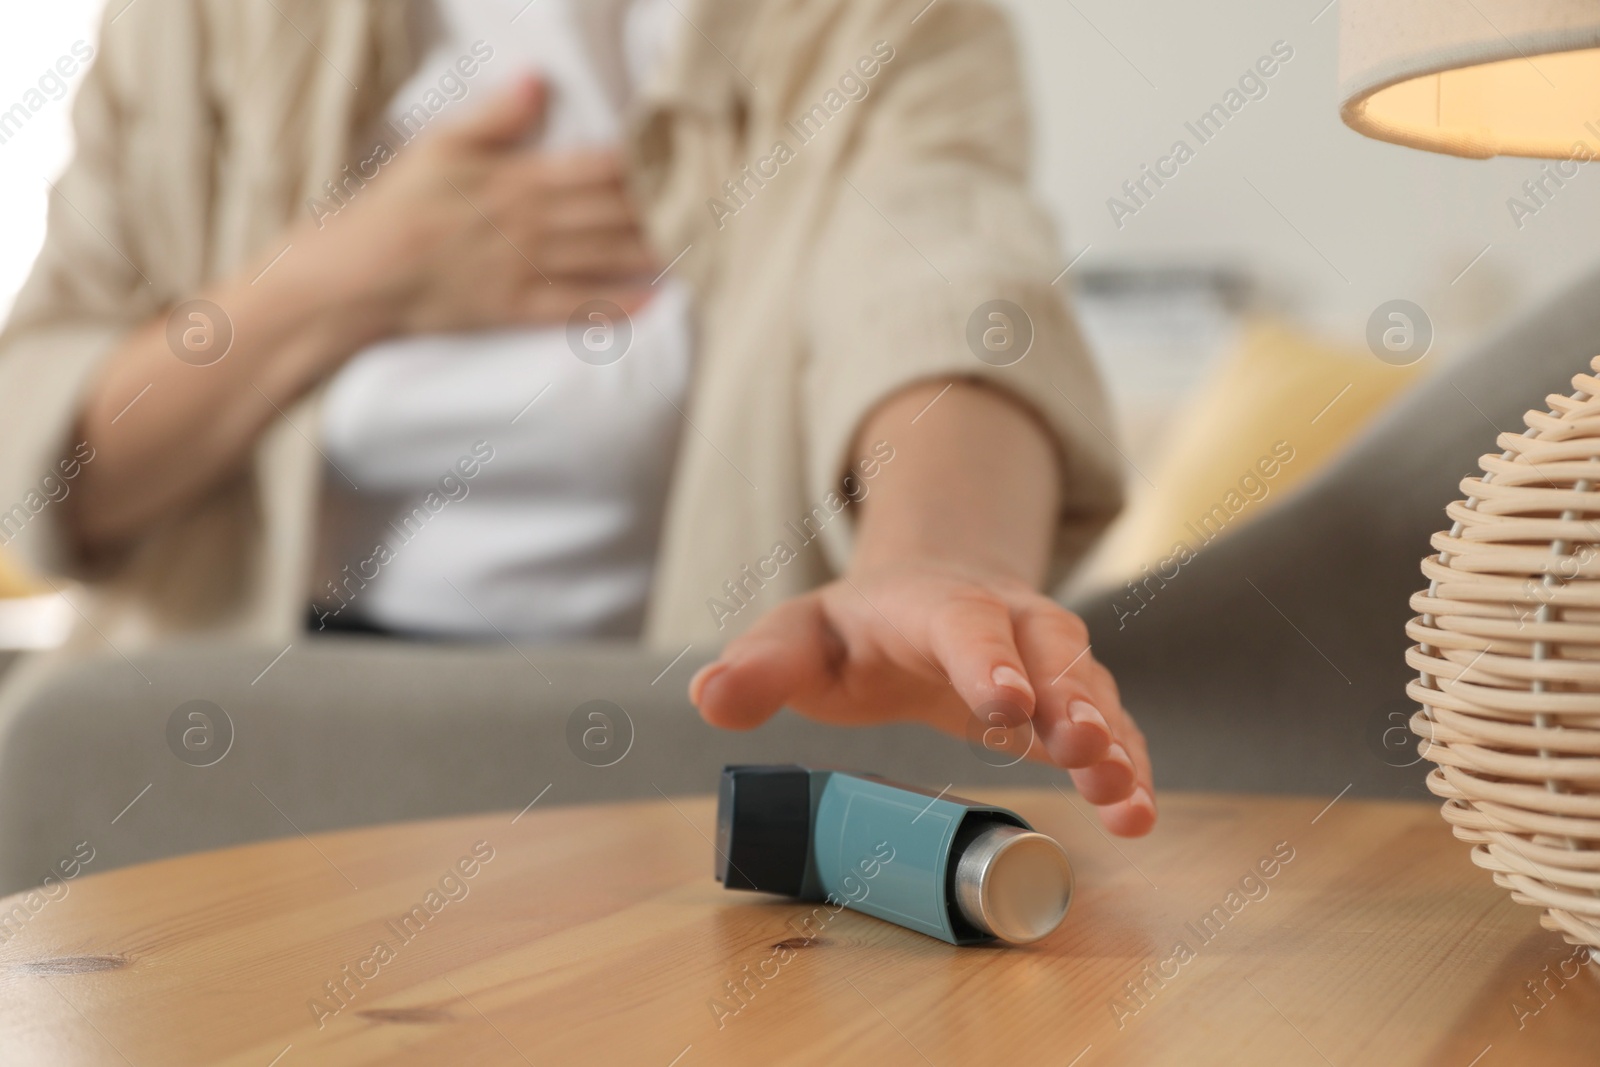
(1279, 386)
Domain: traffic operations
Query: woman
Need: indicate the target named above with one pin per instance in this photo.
(310, 255)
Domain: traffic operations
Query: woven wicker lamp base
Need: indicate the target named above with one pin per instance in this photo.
(1508, 650)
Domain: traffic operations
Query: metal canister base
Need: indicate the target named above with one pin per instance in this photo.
(1013, 883)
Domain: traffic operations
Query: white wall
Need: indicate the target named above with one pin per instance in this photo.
(36, 36)
(1394, 221)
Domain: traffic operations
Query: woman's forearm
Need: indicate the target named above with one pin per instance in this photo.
(165, 428)
(975, 482)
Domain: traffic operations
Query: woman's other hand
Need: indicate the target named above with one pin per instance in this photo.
(471, 229)
(464, 228)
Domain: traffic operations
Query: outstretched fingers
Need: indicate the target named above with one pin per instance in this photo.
(974, 644)
(1080, 719)
(1136, 815)
(1013, 661)
(785, 656)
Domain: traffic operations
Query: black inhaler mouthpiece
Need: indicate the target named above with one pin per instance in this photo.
(764, 828)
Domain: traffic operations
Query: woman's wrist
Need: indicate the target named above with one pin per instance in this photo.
(870, 567)
(325, 298)
(973, 492)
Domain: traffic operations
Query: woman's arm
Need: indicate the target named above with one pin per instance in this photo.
(165, 430)
(447, 239)
(974, 483)
(939, 617)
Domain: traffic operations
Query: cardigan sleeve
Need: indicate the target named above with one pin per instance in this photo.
(935, 261)
(84, 294)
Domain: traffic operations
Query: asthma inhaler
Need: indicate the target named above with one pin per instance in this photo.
(955, 869)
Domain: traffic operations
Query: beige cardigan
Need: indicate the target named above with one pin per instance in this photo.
(849, 271)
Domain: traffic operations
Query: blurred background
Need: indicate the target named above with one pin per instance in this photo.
(1233, 302)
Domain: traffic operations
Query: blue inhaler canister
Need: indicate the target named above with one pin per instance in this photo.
(955, 869)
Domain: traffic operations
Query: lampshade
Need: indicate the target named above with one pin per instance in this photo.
(1474, 78)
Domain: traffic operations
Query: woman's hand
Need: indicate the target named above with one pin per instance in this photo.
(469, 229)
(928, 642)
(938, 619)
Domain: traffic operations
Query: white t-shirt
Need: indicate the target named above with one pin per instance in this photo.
(495, 481)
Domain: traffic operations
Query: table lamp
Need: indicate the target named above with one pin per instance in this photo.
(1476, 78)
(1508, 631)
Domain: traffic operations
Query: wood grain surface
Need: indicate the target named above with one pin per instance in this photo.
(596, 935)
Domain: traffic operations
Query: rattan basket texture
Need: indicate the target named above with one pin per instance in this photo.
(1508, 655)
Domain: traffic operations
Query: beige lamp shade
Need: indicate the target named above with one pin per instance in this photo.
(1476, 78)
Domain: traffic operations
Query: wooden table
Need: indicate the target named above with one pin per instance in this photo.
(596, 935)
